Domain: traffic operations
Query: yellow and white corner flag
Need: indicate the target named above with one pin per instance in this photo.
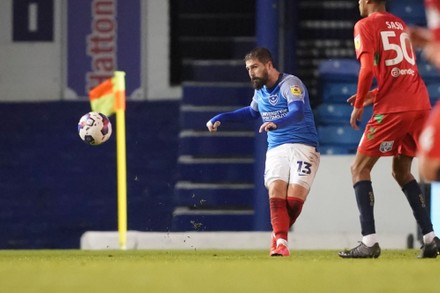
(108, 98)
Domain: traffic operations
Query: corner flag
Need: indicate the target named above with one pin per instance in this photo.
(108, 98)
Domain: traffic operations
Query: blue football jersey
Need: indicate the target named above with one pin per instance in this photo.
(272, 103)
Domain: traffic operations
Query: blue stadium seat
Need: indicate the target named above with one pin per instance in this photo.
(410, 11)
(342, 70)
(338, 135)
(337, 92)
(338, 140)
(434, 92)
(429, 73)
(337, 79)
(337, 149)
(333, 113)
(419, 54)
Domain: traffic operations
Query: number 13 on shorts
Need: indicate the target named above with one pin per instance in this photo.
(304, 168)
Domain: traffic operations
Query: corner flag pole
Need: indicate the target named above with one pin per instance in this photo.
(119, 83)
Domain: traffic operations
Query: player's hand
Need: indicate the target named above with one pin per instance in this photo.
(369, 99)
(356, 116)
(432, 53)
(213, 127)
(351, 100)
(420, 36)
(267, 126)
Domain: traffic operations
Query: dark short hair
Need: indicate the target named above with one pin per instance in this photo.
(261, 54)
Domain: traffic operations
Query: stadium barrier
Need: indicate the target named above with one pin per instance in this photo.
(329, 219)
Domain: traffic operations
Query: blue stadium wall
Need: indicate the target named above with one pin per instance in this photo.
(53, 187)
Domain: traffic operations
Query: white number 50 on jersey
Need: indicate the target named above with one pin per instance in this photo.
(402, 50)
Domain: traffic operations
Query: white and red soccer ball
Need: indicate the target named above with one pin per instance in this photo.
(94, 128)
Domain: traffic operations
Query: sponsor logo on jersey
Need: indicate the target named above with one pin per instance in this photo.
(295, 90)
(396, 72)
(273, 100)
(357, 42)
(270, 116)
(386, 146)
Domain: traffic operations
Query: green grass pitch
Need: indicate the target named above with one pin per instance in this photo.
(213, 271)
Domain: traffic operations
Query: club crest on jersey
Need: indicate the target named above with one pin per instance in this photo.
(295, 90)
(357, 42)
(386, 146)
(273, 100)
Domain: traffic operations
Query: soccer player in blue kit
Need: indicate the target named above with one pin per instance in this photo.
(292, 157)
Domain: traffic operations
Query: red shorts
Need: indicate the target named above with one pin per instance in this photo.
(393, 134)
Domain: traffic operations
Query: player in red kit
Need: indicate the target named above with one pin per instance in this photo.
(400, 107)
(429, 38)
(430, 147)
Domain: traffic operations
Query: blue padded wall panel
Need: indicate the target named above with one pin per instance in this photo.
(219, 196)
(215, 94)
(213, 222)
(229, 172)
(216, 146)
(54, 187)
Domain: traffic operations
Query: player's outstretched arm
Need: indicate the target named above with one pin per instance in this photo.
(242, 114)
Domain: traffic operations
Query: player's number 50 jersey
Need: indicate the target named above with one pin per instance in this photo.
(385, 37)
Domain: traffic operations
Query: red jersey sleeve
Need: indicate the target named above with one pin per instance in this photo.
(365, 79)
(363, 41)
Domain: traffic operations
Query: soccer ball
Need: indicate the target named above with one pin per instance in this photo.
(94, 128)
